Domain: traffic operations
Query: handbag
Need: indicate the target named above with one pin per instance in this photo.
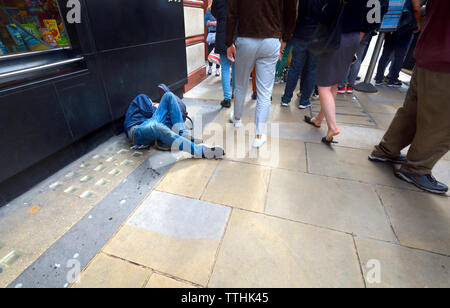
(214, 57)
(327, 38)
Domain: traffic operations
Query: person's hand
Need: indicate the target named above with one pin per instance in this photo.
(231, 53)
(283, 46)
(213, 23)
(417, 30)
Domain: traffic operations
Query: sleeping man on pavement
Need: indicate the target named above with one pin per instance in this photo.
(147, 123)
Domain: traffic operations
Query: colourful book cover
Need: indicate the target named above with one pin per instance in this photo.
(29, 39)
(48, 37)
(18, 40)
(31, 28)
(3, 50)
(53, 27)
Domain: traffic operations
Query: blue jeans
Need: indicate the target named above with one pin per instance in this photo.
(398, 45)
(303, 63)
(154, 128)
(226, 83)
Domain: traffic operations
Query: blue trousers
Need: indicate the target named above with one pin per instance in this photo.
(303, 63)
(226, 82)
(155, 128)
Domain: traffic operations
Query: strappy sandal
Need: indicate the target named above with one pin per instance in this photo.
(310, 122)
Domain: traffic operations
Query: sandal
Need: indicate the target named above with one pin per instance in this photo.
(310, 121)
(329, 141)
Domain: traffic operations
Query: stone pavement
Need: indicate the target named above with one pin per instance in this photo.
(293, 214)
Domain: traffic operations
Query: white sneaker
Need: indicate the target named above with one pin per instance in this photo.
(237, 123)
(257, 143)
(218, 72)
(209, 70)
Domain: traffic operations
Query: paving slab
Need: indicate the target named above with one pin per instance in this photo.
(419, 219)
(327, 202)
(238, 185)
(401, 267)
(174, 235)
(383, 120)
(276, 153)
(188, 177)
(262, 252)
(380, 102)
(158, 281)
(442, 171)
(108, 272)
(353, 164)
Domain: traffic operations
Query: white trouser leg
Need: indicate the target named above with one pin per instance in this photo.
(246, 49)
(266, 62)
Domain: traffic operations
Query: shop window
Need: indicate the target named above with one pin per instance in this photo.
(31, 25)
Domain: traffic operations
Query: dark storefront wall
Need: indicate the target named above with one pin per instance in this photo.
(129, 48)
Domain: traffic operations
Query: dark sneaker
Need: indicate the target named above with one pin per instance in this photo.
(395, 84)
(304, 106)
(254, 96)
(424, 182)
(376, 157)
(226, 103)
(213, 152)
(379, 82)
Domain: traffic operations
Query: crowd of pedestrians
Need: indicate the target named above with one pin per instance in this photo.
(250, 37)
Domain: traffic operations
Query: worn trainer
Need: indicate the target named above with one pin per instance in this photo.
(425, 182)
(395, 84)
(213, 152)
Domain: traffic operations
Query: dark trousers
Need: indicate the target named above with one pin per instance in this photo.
(303, 64)
(423, 122)
(396, 44)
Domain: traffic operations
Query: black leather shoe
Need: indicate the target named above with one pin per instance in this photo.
(424, 182)
(226, 103)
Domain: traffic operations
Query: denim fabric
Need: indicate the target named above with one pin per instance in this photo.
(209, 17)
(303, 63)
(226, 82)
(140, 109)
(154, 128)
(398, 45)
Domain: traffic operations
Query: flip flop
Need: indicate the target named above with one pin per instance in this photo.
(309, 121)
(330, 142)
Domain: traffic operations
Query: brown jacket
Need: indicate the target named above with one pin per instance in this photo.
(261, 19)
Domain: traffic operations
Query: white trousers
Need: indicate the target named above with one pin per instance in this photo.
(264, 54)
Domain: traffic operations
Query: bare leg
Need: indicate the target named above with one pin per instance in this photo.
(328, 110)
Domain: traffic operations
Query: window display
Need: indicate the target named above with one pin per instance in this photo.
(30, 25)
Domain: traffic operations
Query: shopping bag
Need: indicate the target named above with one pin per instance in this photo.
(214, 57)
